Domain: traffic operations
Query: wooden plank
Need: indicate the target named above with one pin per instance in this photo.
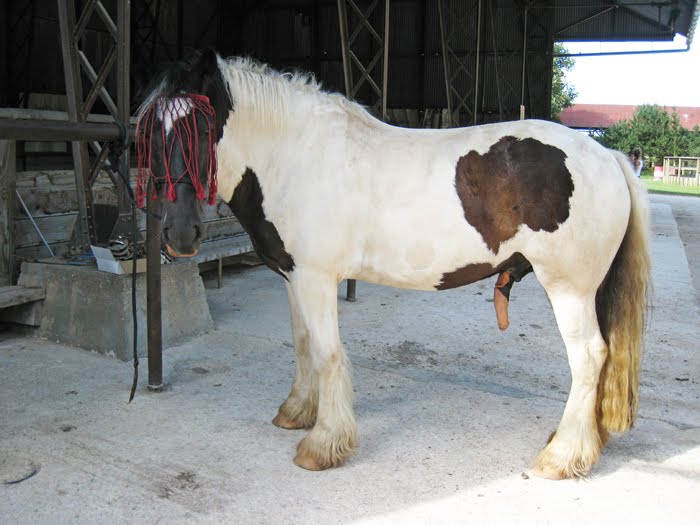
(37, 253)
(14, 295)
(220, 248)
(8, 185)
(61, 116)
(54, 228)
(222, 227)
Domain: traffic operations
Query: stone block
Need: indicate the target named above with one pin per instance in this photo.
(92, 309)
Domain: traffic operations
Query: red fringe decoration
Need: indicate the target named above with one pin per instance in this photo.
(182, 111)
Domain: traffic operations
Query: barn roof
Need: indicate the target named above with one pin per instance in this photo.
(600, 116)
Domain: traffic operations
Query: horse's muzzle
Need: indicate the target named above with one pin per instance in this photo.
(173, 253)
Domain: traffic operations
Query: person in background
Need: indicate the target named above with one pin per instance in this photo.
(635, 157)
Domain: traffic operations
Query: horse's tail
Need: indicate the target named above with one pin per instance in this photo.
(621, 306)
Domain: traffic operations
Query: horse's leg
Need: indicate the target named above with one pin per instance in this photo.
(576, 444)
(334, 435)
(299, 409)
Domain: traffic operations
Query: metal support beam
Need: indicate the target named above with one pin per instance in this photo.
(123, 225)
(353, 23)
(119, 55)
(75, 62)
(461, 56)
(58, 130)
(85, 225)
(524, 60)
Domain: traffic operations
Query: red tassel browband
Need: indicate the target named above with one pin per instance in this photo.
(179, 113)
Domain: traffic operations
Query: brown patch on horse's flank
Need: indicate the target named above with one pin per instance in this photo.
(518, 181)
(517, 265)
(465, 275)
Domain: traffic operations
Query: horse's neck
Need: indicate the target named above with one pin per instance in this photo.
(256, 134)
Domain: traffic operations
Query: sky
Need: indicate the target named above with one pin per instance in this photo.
(666, 79)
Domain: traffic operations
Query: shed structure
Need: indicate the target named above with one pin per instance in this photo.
(72, 72)
(432, 63)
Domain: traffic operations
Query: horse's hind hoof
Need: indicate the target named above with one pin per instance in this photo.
(549, 473)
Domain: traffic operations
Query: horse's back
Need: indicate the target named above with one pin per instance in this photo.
(443, 200)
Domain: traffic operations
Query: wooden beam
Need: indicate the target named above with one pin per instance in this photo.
(8, 185)
(14, 295)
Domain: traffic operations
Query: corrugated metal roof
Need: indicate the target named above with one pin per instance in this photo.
(693, 23)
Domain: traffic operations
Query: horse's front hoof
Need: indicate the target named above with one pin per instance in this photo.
(295, 417)
(282, 421)
(314, 453)
(309, 462)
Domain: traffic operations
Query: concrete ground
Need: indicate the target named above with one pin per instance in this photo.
(451, 413)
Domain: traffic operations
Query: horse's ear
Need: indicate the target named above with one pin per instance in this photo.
(207, 64)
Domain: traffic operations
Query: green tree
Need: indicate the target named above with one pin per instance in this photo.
(563, 93)
(690, 140)
(654, 130)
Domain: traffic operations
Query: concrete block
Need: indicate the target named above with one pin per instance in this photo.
(92, 309)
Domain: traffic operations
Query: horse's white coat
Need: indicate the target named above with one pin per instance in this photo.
(352, 197)
(384, 205)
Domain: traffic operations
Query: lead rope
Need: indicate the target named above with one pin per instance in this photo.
(116, 149)
(134, 233)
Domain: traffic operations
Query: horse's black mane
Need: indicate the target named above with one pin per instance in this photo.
(178, 76)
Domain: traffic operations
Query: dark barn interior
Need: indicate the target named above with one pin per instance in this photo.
(73, 73)
(498, 54)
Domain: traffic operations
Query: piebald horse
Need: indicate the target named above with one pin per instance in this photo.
(327, 192)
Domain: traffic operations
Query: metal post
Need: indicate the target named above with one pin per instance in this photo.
(522, 79)
(344, 46)
(495, 60)
(385, 59)
(153, 296)
(477, 63)
(445, 63)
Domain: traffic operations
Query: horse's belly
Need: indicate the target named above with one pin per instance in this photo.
(419, 258)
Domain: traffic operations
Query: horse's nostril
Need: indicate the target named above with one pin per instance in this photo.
(197, 232)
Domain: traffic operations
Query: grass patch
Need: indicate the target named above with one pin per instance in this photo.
(658, 186)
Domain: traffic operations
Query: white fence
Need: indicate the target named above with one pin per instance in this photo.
(682, 170)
